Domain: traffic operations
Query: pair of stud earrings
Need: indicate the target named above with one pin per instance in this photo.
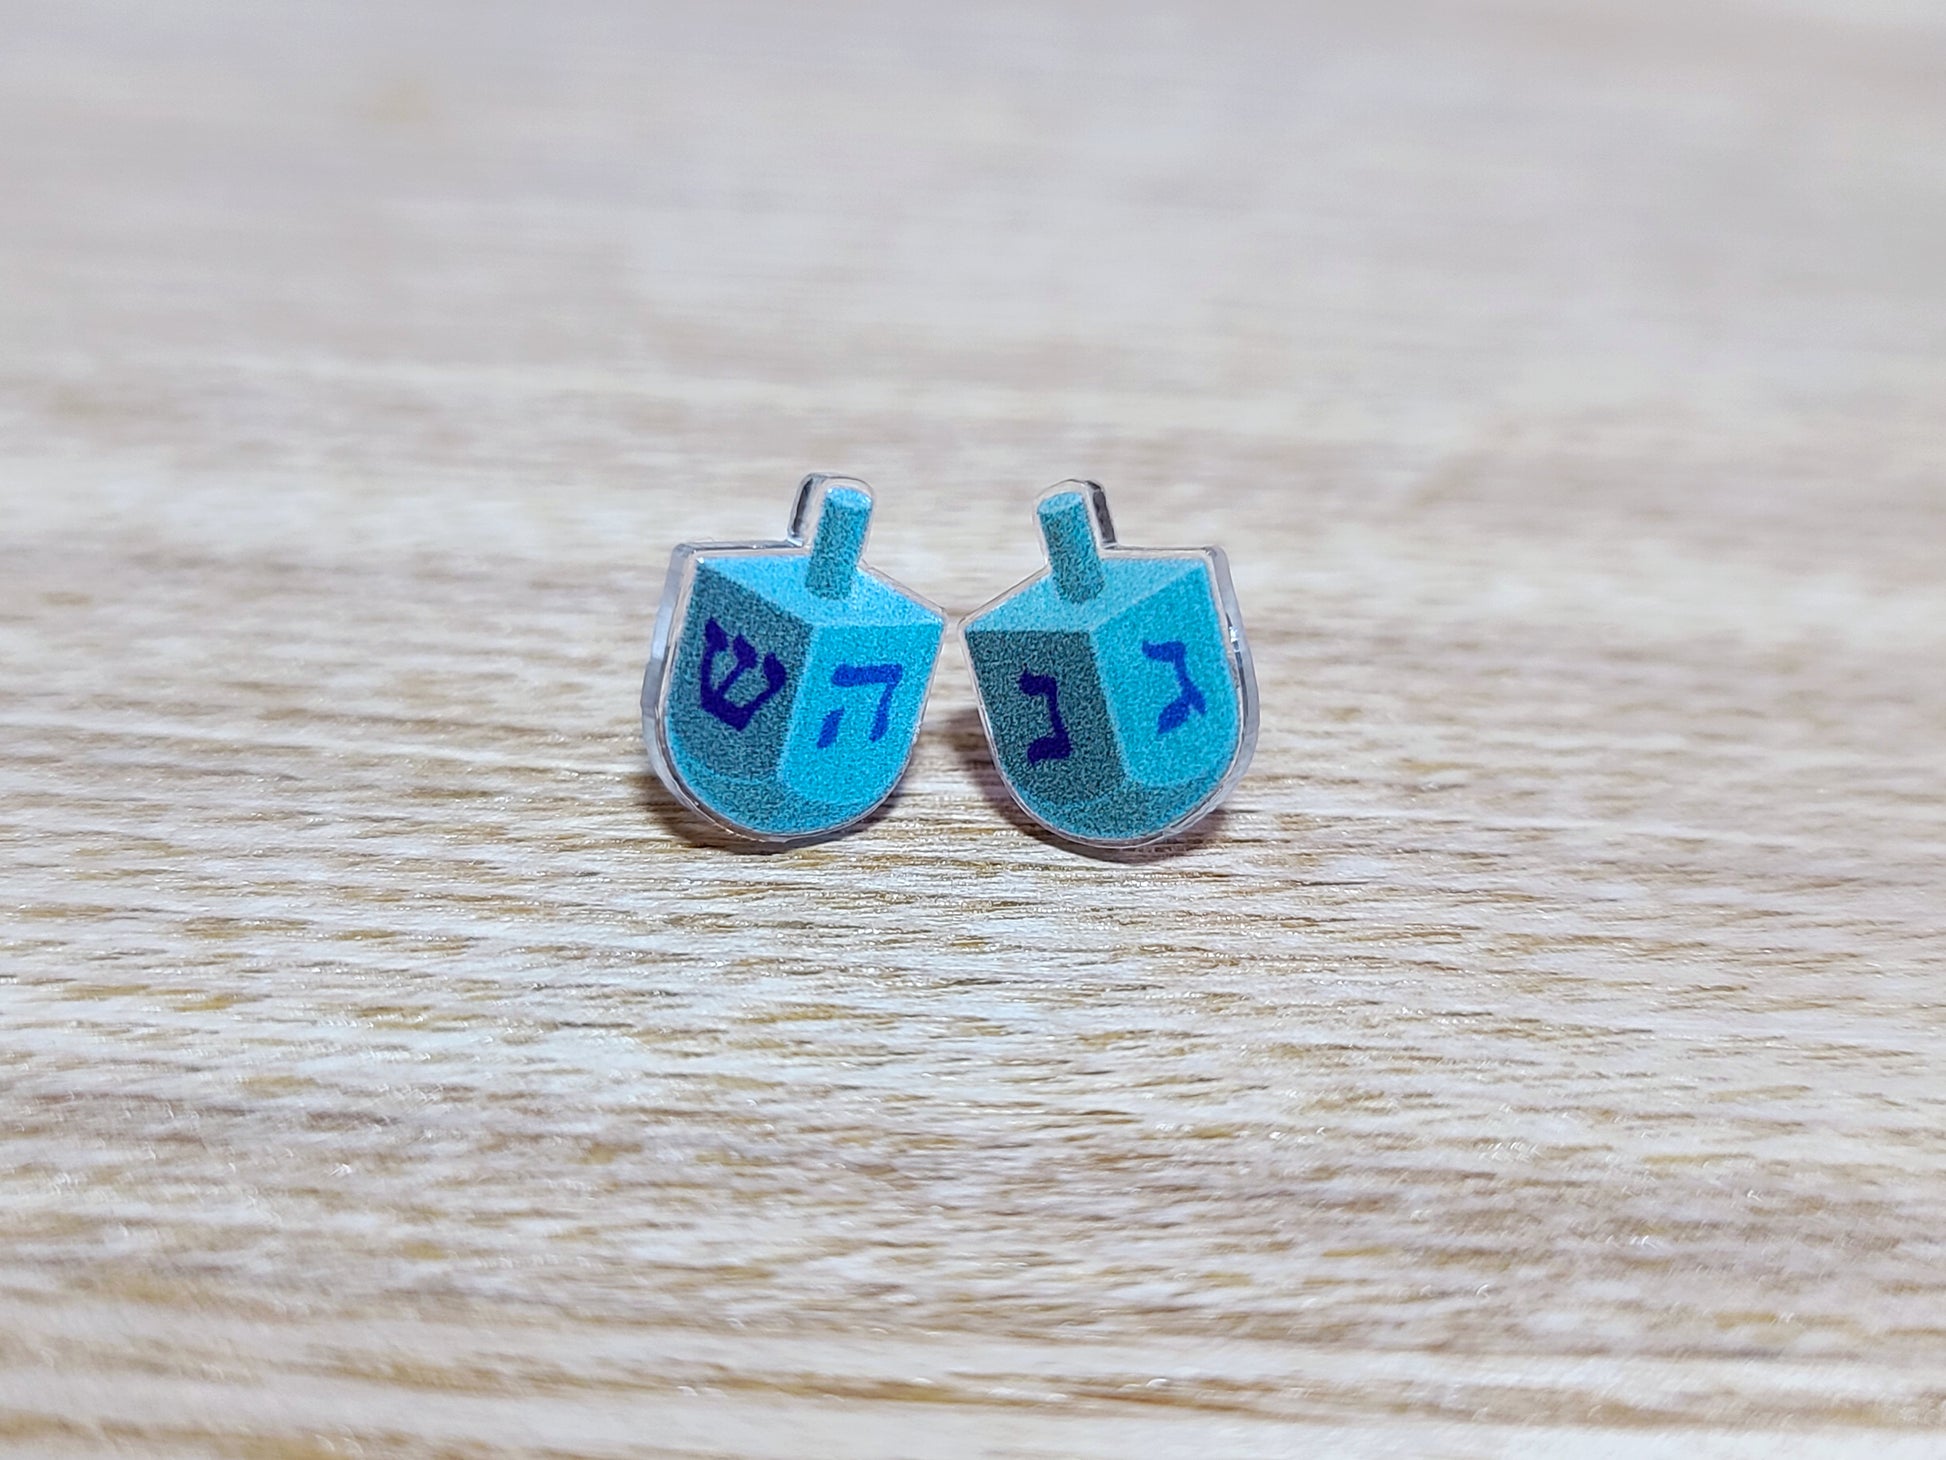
(786, 682)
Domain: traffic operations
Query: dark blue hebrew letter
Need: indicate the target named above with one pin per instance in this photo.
(851, 676)
(1173, 714)
(716, 692)
(1054, 745)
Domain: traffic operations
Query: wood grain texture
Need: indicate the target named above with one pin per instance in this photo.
(1544, 1054)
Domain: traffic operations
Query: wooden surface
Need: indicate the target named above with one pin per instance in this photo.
(1545, 1053)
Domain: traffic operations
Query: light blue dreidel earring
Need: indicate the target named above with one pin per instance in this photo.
(786, 683)
(1116, 686)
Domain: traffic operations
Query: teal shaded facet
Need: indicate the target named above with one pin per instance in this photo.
(706, 742)
(1021, 720)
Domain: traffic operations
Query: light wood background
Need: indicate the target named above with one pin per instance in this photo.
(1545, 1053)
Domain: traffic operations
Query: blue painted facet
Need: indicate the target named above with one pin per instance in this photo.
(1134, 652)
(781, 578)
(798, 681)
(1164, 743)
(872, 678)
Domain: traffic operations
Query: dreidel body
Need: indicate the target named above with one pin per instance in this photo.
(787, 683)
(1116, 687)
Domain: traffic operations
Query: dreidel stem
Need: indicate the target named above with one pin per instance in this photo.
(839, 541)
(1072, 551)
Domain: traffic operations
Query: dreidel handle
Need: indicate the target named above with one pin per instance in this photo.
(1073, 549)
(842, 522)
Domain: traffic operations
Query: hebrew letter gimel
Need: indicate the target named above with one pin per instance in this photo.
(1177, 710)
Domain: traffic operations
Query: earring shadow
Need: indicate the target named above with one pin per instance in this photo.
(968, 738)
(692, 830)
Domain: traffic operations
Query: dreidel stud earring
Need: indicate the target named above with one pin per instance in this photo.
(1116, 686)
(786, 682)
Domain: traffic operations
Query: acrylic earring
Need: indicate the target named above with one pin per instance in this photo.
(785, 683)
(1116, 686)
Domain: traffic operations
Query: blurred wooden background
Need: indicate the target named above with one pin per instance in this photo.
(1544, 1055)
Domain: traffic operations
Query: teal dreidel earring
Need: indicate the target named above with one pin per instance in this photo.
(785, 683)
(1116, 686)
